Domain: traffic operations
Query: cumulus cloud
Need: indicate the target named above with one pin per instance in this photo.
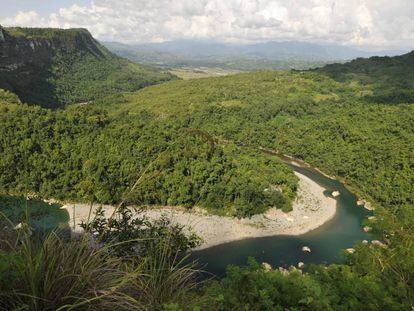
(354, 22)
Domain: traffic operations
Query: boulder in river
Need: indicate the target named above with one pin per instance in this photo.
(335, 194)
(306, 249)
(301, 265)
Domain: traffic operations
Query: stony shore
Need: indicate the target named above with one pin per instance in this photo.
(310, 210)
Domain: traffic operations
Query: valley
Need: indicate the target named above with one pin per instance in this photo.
(182, 159)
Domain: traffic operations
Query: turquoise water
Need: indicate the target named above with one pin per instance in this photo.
(326, 242)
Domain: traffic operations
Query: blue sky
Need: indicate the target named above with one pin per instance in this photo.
(374, 24)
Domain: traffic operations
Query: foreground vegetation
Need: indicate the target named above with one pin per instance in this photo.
(127, 264)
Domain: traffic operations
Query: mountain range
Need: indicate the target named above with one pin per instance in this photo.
(268, 55)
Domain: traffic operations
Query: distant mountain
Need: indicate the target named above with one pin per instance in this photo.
(269, 55)
(55, 67)
(390, 79)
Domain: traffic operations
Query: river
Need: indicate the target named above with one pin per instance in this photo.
(326, 242)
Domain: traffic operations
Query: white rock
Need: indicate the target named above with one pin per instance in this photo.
(301, 265)
(266, 266)
(350, 250)
(364, 241)
(283, 271)
(335, 194)
(367, 229)
(378, 243)
(306, 249)
(368, 206)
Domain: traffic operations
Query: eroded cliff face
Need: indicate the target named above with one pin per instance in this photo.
(56, 67)
(28, 60)
(2, 38)
(17, 52)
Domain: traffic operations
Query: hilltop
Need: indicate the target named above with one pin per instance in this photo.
(386, 79)
(55, 67)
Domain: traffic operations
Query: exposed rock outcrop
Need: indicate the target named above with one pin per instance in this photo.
(2, 37)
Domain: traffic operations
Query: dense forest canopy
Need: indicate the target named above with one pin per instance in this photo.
(387, 80)
(55, 67)
(84, 154)
(306, 115)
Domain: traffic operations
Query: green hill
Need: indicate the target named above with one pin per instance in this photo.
(306, 115)
(83, 153)
(386, 79)
(55, 67)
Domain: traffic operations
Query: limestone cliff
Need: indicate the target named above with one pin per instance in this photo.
(55, 67)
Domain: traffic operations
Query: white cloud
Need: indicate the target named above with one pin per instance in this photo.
(355, 22)
(24, 19)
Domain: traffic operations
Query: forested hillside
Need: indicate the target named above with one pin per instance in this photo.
(306, 115)
(387, 80)
(84, 154)
(55, 67)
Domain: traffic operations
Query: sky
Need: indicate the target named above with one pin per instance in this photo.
(364, 23)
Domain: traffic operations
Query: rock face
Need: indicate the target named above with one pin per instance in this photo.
(27, 57)
(56, 67)
(2, 37)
